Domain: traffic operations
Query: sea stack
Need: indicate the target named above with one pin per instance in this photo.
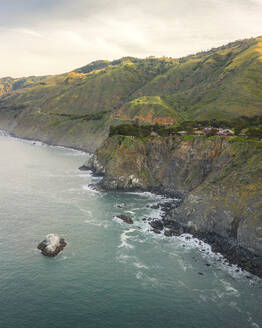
(52, 245)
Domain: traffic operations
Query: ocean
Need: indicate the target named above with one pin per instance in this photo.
(110, 274)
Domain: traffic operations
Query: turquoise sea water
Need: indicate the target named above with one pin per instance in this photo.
(110, 274)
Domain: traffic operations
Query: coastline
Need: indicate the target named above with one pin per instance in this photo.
(234, 254)
(6, 133)
(229, 248)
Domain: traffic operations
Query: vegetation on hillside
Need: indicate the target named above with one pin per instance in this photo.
(249, 126)
(222, 84)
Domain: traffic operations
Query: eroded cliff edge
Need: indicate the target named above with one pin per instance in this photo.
(219, 180)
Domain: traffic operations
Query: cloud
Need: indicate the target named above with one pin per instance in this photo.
(54, 36)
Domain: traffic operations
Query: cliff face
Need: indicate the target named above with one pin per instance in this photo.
(219, 179)
(59, 131)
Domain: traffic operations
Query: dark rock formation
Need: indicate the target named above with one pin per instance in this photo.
(93, 165)
(157, 224)
(229, 247)
(52, 245)
(125, 218)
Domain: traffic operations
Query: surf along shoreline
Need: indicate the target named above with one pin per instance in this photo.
(167, 224)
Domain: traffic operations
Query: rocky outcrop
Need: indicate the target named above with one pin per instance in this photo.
(157, 225)
(218, 179)
(170, 164)
(52, 245)
(125, 218)
(93, 165)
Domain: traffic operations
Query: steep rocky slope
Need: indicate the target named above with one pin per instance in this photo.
(77, 108)
(219, 180)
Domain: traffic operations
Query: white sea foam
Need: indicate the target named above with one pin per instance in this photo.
(97, 224)
(146, 279)
(229, 288)
(87, 174)
(124, 258)
(254, 324)
(140, 265)
(129, 212)
(131, 260)
(139, 275)
(217, 259)
(52, 241)
(91, 188)
(124, 238)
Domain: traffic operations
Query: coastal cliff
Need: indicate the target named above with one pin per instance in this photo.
(219, 180)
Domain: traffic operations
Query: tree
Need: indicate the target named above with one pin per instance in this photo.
(254, 132)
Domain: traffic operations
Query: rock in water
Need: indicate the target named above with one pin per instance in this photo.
(52, 245)
(125, 218)
(157, 224)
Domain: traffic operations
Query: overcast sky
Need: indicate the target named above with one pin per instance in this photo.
(39, 37)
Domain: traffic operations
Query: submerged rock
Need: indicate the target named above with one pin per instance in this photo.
(125, 218)
(52, 245)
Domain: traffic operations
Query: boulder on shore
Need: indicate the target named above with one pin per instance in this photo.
(52, 245)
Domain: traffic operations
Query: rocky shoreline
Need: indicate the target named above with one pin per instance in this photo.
(229, 248)
(217, 180)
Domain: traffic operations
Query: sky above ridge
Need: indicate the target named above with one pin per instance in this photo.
(39, 37)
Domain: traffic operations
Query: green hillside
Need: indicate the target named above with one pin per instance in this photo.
(77, 108)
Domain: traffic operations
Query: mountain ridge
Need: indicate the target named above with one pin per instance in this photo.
(78, 107)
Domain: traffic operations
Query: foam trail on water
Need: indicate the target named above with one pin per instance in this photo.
(229, 288)
(129, 212)
(140, 265)
(124, 237)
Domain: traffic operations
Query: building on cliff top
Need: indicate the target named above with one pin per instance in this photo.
(182, 133)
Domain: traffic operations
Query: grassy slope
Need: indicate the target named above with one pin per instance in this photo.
(221, 83)
(225, 83)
